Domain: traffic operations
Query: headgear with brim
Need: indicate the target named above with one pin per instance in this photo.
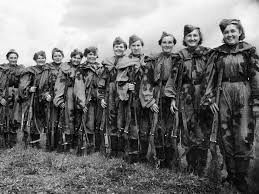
(91, 49)
(10, 52)
(164, 34)
(135, 38)
(189, 28)
(76, 52)
(37, 54)
(225, 22)
(119, 40)
(56, 50)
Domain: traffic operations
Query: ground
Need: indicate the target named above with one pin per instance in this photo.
(36, 171)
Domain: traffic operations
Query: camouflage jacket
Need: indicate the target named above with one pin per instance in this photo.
(152, 76)
(87, 75)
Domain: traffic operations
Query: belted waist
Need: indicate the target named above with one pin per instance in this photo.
(235, 79)
(193, 82)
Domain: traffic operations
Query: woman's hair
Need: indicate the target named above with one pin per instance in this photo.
(201, 38)
(76, 52)
(37, 54)
(225, 22)
(164, 34)
(56, 50)
(11, 51)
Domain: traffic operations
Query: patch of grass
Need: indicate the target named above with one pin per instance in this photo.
(32, 170)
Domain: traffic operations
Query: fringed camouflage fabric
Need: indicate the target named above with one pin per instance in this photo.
(239, 95)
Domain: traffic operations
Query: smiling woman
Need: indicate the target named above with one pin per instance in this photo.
(185, 89)
(33, 105)
(64, 100)
(238, 99)
(64, 21)
(152, 97)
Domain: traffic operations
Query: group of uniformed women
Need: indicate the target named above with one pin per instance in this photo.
(159, 108)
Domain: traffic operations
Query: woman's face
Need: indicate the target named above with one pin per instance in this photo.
(167, 44)
(91, 57)
(119, 49)
(40, 60)
(136, 48)
(231, 34)
(76, 60)
(12, 58)
(57, 57)
(192, 39)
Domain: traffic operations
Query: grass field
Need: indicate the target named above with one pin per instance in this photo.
(35, 171)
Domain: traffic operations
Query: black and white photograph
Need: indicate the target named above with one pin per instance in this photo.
(129, 96)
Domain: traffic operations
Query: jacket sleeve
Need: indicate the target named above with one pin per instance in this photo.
(59, 89)
(79, 90)
(254, 76)
(211, 76)
(2, 83)
(146, 91)
(44, 85)
(24, 85)
(101, 82)
(171, 84)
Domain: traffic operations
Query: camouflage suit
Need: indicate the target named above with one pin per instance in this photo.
(127, 72)
(193, 121)
(9, 83)
(108, 74)
(64, 93)
(86, 77)
(33, 76)
(52, 112)
(240, 92)
(158, 68)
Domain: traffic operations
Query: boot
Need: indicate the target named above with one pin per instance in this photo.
(143, 150)
(192, 161)
(202, 162)
(13, 139)
(160, 154)
(114, 145)
(68, 143)
(97, 141)
(169, 157)
(240, 182)
(133, 150)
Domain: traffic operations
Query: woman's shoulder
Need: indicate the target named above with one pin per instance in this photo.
(239, 48)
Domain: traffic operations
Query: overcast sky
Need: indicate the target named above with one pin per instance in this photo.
(32, 25)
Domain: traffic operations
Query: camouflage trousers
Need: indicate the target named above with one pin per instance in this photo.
(237, 131)
(9, 136)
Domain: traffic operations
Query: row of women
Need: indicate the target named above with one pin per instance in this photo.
(136, 105)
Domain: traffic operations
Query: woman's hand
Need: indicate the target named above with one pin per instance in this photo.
(33, 89)
(3, 101)
(131, 87)
(103, 103)
(154, 108)
(85, 109)
(48, 97)
(62, 105)
(214, 108)
(173, 107)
